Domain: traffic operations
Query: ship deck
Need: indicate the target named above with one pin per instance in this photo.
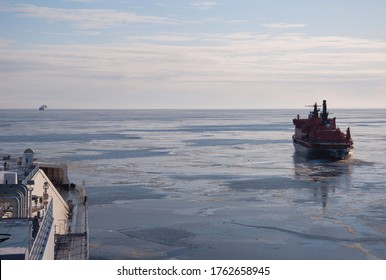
(71, 246)
(17, 245)
(74, 245)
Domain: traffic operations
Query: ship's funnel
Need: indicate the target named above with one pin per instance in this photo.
(324, 114)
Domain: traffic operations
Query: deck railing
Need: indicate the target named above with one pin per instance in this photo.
(31, 175)
(40, 242)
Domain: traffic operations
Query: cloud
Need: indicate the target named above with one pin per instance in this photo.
(4, 43)
(184, 65)
(204, 5)
(171, 58)
(283, 25)
(239, 21)
(85, 1)
(87, 18)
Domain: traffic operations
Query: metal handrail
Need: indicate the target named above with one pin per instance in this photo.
(31, 174)
(40, 242)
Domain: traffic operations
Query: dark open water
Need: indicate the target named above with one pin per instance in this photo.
(214, 184)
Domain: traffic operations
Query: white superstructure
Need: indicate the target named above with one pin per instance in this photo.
(42, 215)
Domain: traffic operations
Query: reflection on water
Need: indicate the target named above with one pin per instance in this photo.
(320, 169)
(329, 174)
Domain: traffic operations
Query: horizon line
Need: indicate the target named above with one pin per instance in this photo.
(261, 108)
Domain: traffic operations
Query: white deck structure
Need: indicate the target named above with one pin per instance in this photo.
(42, 215)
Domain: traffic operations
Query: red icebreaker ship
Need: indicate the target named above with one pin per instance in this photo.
(318, 137)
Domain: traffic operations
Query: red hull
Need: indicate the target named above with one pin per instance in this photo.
(322, 150)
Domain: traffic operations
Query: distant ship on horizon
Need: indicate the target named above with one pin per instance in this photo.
(42, 108)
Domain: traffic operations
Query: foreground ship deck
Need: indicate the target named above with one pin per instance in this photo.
(42, 215)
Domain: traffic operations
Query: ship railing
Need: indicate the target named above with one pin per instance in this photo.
(86, 225)
(40, 242)
(31, 174)
(83, 195)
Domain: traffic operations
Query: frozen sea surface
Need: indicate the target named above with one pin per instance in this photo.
(214, 184)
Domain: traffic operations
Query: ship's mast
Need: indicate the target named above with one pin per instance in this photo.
(315, 112)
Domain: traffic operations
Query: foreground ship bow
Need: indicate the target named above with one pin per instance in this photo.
(318, 136)
(42, 215)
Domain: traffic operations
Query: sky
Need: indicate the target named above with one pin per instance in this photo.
(189, 54)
